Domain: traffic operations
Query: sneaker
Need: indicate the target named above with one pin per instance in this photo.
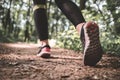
(91, 44)
(44, 51)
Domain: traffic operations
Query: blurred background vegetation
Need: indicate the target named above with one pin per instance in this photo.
(17, 24)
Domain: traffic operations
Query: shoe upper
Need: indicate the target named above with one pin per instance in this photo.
(44, 48)
(44, 51)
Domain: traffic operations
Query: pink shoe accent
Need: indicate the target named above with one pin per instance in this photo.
(44, 52)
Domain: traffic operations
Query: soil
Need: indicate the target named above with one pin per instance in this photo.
(18, 61)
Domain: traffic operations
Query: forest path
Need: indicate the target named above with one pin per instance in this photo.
(18, 61)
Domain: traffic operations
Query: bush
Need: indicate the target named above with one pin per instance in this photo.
(69, 39)
(110, 43)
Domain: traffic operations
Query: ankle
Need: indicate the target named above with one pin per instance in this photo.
(79, 26)
(44, 42)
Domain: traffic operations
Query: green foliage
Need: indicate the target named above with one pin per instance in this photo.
(16, 16)
(69, 39)
(110, 43)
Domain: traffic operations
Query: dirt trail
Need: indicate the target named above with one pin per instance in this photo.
(19, 62)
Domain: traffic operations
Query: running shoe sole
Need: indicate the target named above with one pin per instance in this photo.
(92, 50)
(44, 55)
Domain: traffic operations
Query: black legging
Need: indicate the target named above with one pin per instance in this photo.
(70, 9)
